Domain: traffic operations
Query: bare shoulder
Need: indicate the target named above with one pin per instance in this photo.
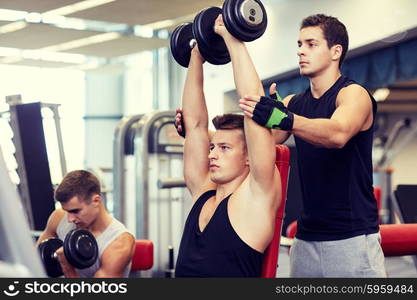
(353, 92)
(54, 219)
(287, 99)
(125, 240)
(52, 225)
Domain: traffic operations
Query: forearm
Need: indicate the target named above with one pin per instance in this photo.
(259, 139)
(193, 101)
(327, 133)
(246, 78)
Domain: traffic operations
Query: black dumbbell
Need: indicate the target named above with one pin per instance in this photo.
(80, 249)
(244, 19)
(181, 43)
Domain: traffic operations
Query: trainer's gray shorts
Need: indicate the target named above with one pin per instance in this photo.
(359, 256)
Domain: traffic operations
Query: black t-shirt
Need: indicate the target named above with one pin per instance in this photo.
(338, 200)
(217, 251)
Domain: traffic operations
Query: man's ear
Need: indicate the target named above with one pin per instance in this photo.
(96, 199)
(247, 158)
(337, 51)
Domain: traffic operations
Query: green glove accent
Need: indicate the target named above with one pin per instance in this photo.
(272, 113)
(278, 97)
(276, 118)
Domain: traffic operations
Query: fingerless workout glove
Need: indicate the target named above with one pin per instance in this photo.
(273, 114)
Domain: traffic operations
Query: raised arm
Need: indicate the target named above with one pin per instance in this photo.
(196, 147)
(259, 140)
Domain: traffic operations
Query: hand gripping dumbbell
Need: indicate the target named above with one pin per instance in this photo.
(80, 249)
(246, 20)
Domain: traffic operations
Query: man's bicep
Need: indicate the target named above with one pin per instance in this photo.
(196, 162)
(116, 257)
(353, 109)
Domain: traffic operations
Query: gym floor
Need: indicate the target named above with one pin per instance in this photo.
(401, 266)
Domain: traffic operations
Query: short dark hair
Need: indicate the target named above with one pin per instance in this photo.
(80, 183)
(228, 121)
(334, 31)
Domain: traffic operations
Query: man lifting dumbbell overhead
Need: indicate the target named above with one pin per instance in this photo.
(232, 177)
(101, 247)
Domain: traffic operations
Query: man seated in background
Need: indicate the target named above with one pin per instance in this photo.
(82, 207)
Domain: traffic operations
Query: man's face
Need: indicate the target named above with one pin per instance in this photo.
(313, 52)
(81, 213)
(228, 156)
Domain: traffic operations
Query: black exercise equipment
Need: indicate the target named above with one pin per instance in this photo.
(80, 249)
(210, 44)
(181, 43)
(47, 249)
(246, 20)
(35, 187)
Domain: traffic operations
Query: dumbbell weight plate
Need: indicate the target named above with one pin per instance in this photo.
(180, 44)
(245, 19)
(80, 248)
(47, 249)
(210, 44)
(215, 60)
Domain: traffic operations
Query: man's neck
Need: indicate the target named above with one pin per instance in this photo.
(102, 221)
(321, 83)
(223, 190)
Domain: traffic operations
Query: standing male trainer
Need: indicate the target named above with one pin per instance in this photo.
(332, 123)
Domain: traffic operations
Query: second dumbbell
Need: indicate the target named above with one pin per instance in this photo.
(80, 249)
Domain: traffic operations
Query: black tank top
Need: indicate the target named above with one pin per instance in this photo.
(336, 184)
(217, 251)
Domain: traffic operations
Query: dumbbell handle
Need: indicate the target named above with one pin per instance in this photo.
(193, 43)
